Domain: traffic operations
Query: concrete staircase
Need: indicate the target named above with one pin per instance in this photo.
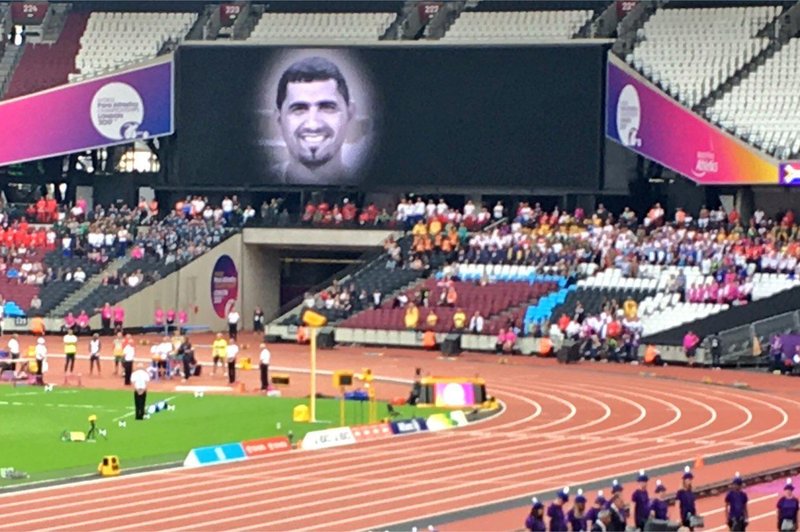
(56, 19)
(88, 287)
(8, 62)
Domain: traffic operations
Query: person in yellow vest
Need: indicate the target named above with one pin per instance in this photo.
(431, 320)
(119, 346)
(218, 350)
(411, 318)
(70, 349)
(459, 320)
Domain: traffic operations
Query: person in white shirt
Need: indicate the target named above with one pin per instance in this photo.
(79, 276)
(94, 353)
(233, 323)
(128, 354)
(13, 351)
(230, 354)
(140, 379)
(263, 366)
(41, 359)
(476, 323)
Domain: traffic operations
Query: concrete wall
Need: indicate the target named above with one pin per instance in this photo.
(189, 288)
(261, 277)
(320, 238)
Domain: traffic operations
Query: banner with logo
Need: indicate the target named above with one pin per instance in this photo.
(224, 285)
(114, 109)
(648, 121)
(324, 439)
(266, 446)
(409, 426)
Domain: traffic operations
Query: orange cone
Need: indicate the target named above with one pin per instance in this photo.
(699, 462)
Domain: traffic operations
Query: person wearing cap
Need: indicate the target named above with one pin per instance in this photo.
(641, 501)
(555, 512)
(231, 351)
(616, 507)
(535, 520)
(659, 508)
(597, 507)
(787, 508)
(736, 506)
(576, 517)
(218, 349)
(686, 497)
(621, 508)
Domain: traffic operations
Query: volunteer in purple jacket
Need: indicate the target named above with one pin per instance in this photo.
(686, 498)
(641, 501)
(787, 508)
(599, 504)
(659, 508)
(736, 506)
(576, 517)
(555, 512)
(535, 520)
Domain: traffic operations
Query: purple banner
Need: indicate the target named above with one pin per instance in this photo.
(224, 285)
(646, 120)
(113, 109)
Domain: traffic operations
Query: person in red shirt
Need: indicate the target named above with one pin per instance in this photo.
(309, 212)
(348, 211)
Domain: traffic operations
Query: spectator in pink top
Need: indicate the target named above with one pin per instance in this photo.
(183, 318)
(119, 318)
(158, 317)
(83, 323)
(690, 343)
(69, 322)
(171, 317)
(105, 317)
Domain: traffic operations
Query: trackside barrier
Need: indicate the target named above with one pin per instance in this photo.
(325, 439)
(459, 418)
(437, 422)
(409, 426)
(217, 454)
(376, 431)
(266, 446)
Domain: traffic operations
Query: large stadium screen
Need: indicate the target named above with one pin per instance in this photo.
(391, 116)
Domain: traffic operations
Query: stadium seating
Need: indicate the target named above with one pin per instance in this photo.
(764, 108)
(43, 65)
(280, 27)
(114, 39)
(502, 25)
(689, 52)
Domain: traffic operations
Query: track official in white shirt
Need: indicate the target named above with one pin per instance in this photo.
(263, 366)
(140, 379)
(230, 354)
(233, 324)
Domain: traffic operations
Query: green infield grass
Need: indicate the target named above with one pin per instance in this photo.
(32, 422)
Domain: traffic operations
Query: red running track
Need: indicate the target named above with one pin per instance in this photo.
(564, 425)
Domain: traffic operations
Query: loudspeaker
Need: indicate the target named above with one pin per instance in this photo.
(325, 338)
(451, 346)
(569, 352)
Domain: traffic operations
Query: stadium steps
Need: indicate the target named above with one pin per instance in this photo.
(632, 23)
(54, 23)
(10, 58)
(88, 287)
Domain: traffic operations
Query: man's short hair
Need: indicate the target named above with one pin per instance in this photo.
(308, 70)
(603, 514)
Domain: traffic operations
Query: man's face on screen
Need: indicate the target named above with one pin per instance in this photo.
(313, 120)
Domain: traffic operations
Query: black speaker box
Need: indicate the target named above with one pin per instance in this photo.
(325, 338)
(451, 346)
